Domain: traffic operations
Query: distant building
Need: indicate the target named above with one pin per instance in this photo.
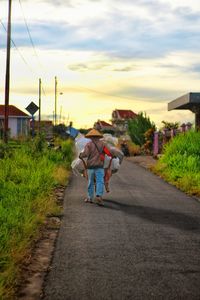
(18, 121)
(103, 126)
(120, 118)
(46, 126)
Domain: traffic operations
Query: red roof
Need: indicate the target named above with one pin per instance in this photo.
(103, 123)
(126, 114)
(13, 111)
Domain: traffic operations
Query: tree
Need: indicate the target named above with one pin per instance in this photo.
(170, 125)
(138, 126)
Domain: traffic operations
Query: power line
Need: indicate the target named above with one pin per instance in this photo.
(30, 69)
(22, 57)
(31, 40)
(102, 93)
(29, 34)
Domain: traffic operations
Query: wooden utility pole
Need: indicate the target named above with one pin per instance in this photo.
(7, 82)
(39, 120)
(55, 112)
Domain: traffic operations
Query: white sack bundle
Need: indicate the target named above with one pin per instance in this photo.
(117, 152)
(77, 166)
(109, 140)
(115, 165)
(80, 142)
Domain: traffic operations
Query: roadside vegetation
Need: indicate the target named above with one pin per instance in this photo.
(141, 130)
(180, 162)
(29, 172)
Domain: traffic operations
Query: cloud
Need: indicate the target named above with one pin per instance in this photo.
(81, 67)
(146, 93)
(94, 66)
(121, 51)
(128, 29)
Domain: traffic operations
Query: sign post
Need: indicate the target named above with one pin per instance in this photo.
(32, 108)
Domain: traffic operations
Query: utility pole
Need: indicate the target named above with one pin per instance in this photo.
(55, 112)
(7, 82)
(39, 121)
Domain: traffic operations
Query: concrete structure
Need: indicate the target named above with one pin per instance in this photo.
(189, 101)
(18, 121)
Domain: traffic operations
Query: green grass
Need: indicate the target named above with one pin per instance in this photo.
(180, 162)
(28, 175)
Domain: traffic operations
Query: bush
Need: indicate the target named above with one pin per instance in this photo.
(137, 128)
(27, 177)
(180, 162)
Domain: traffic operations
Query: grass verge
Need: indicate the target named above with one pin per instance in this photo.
(28, 176)
(180, 163)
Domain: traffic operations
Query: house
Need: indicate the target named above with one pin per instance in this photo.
(45, 126)
(103, 126)
(120, 118)
(18, 121)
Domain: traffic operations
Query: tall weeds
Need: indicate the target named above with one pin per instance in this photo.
(27, 177)
(180, 162)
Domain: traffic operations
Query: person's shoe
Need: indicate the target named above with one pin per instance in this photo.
(88, 200)
(99, 200)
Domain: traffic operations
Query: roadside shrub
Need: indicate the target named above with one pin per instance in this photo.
(67, 150)
(180, 162)
(137, 128)
(134, 149)
(27, 177)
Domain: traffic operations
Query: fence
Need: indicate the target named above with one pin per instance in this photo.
(162, 137)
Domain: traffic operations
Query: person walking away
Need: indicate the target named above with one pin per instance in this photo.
(94, 152)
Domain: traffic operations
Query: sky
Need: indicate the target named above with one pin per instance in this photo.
(106, 55)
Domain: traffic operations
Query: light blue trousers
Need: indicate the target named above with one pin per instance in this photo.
(97, 175)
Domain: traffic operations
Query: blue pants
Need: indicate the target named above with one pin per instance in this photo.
(98, 175)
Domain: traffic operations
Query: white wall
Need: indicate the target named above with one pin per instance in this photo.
(12, 124)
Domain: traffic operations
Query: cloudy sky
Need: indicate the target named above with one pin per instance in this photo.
(106, 55)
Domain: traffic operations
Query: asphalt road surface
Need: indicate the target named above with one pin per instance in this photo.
(143, 244)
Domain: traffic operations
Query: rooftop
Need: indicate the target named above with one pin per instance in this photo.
(126, 113)
(188, 101)
(12, 111)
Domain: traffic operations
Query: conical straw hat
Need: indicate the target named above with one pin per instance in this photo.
(93, 133)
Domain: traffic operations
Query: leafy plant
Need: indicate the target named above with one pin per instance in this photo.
(138, 126)
(27, 178)
(170, 125)
(180, 162)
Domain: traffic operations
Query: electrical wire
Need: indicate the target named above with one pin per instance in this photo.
(22, 57)
(102, 93)
(15, 46)
(31, 40)
(29, 34)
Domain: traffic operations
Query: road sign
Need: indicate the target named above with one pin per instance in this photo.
(32, 108)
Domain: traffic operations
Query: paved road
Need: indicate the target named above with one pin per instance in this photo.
(144, 244)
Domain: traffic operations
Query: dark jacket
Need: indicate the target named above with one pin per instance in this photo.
(93, 154)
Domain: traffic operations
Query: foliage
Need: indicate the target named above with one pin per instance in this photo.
(27, 176)
(60, 130)
(180, 162)
(133, 149)
(83, 130)
(149, 136)
(170, 125)
(67, 150)
(38, 144)
(138, 126)
(3, 149)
